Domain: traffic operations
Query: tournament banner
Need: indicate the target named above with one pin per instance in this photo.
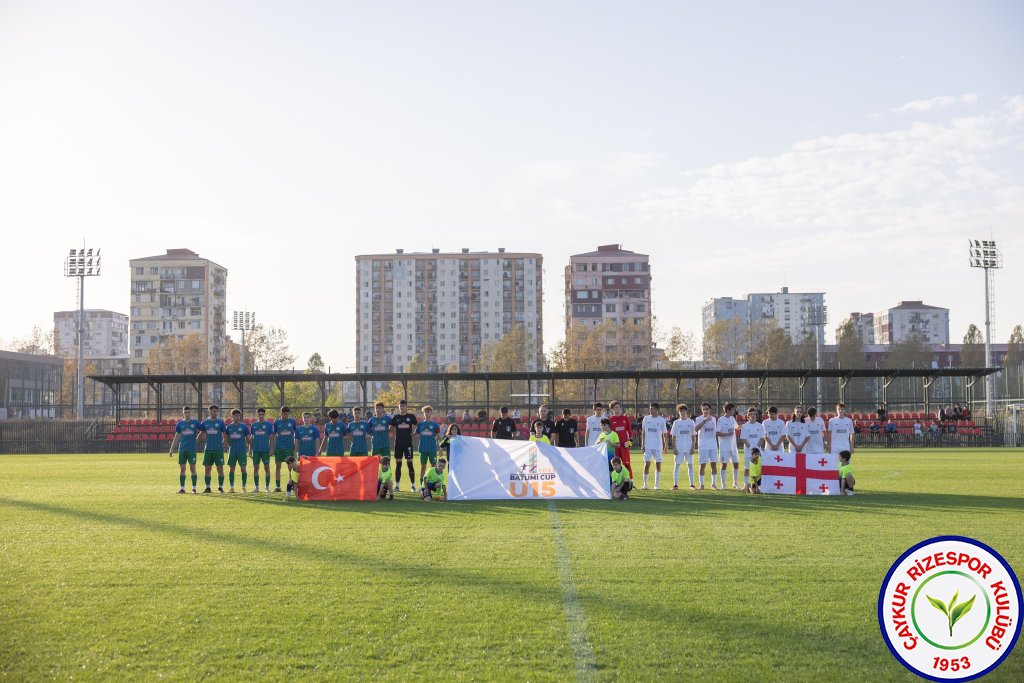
(338, 478)
(801, 474)
(492, 469)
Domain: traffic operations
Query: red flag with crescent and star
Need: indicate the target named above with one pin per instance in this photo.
(801, 474)
(338, 478)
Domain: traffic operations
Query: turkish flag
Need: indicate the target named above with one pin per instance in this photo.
(338, 478)
(801, 474)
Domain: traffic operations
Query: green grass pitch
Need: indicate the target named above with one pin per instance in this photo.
(105, 573)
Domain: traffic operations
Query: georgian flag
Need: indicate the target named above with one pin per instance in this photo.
(801, 474)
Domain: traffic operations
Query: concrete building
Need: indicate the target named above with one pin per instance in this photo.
(613, 284)
(445, 307)
(794, 312)
(106, 334)
(29, 385)
(863, 324)
(725, 308)
(912, 318)
(174, 295)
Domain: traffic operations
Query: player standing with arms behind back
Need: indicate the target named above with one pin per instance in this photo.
(261, 431)
(684, 437)
(840, 431)
(566, 430)
(774, 430)
(212, 436)
(725, 430)
(707, 443)
(654, 433)
(238, 449)
(752, 436)
(404, 424)
(185, 433)
(815, 432)
(283, 443)
(796, 431)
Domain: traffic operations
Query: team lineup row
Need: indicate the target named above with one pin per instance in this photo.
(713, 438)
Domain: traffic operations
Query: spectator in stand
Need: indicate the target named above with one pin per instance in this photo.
(466, 415)
(965, 413)
(450, 416)
(481, 416)
(890, 434)
(935, 433)
(951, 428)
(883, 411)
(516, 415)
(958, 412)
(941, 414)
(918, 432)
(876, 430)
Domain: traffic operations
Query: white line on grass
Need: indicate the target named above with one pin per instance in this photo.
(582, 652)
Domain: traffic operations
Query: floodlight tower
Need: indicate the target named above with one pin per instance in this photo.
(985, 255)
(817, 317)
(242, 321)
(81, 263)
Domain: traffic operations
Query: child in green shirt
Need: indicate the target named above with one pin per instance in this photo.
(846, 480)
(621, 483)
(293, 477)
(433, 481)
(755, 470)
(538, 432)
(609, 438)
(385, 480)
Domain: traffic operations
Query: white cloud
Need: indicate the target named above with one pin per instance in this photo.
(918, 106)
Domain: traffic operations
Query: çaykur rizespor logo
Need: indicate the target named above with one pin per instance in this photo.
(949, 609)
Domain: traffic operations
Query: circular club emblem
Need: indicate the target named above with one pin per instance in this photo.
(949, 609)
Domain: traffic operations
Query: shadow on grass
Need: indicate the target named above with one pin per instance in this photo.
(681, 503)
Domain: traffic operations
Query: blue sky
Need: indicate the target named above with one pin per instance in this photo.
(846, 148)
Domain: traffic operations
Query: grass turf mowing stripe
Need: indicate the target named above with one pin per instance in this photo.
(582, 651)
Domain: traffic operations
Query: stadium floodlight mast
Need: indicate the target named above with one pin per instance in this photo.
(81, 263)
(242, 321)
(817, 317)
(985, 255)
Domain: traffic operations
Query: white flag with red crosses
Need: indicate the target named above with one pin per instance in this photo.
(801, 474)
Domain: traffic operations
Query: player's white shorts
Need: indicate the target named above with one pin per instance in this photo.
(685, 455)
(729, 455)
(652, 455)
(837, 449)
(746, 458)
(708, 455)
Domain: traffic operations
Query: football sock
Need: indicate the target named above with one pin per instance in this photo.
(220, 480)
(231, 479)
(689, 472)
(256, 478)
(398, 470)
(701, 477)
(182, 480)
(645, 480)
(657, 478)
(195, 478)
(245, 478)
(206, 478)
(675, 476)
(277, 483)
(746, 480)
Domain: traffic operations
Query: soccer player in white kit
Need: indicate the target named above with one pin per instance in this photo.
(774, 430)
(815, 432)
(752, 436)
(684, 440)
(796, 431)
(725, 430)
(707, 443)
(594, 424)
(655, 433)
(840, 431)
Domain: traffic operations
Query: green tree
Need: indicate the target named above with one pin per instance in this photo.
(972, 352)
(38, 342)
(268, 348)
(1013, 359)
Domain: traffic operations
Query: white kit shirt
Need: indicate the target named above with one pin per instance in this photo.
(751, 434)
(816, 428)
(840, 429)
(796, 431)
(653, 427)
(727, 423)
(774, 430)
(706, 438)
(682, 434)
(593, 429)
